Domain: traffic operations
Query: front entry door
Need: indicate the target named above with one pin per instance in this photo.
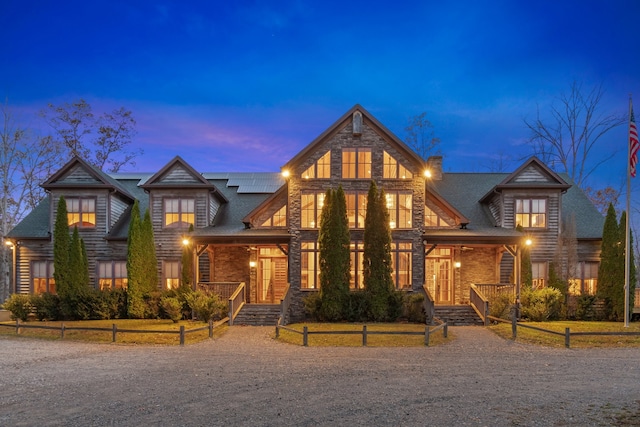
(439, 276)
(272, 279)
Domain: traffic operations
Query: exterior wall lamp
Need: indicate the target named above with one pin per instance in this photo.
(252, 264)
(427, 173)
(457, 264)
(286, 173)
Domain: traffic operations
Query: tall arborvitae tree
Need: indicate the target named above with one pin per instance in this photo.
(187, 262)
(377, 269)
(85, 263)
(61, 246)
(611, 269)
(335, 260)
(77, 275)
(135, 266)
(150, 260)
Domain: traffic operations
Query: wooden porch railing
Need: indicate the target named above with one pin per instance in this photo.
(492, 290)
(236, 302)
(479, 303)
(429, 304)
(223, 289)
(285, 302)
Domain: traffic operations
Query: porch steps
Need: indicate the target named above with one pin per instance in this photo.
(258, 315)
(458, 315)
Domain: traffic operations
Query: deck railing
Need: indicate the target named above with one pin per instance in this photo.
(236, 302)
(480, 303)
(223, 289)
(492, 290)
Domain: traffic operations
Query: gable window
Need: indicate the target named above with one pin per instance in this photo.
(81, 212)
(112, 275)
(392, 169)
(309, 266)
(320, 169)
(179, 212)
(399, 205)
(432, 219)
(531, 213)
(356, 208)
(310, 209)
(356, 163)
(42, 277)
(401, 253)
(278, 219)
(171, 274)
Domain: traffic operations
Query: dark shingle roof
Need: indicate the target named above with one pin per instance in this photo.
(35, 225)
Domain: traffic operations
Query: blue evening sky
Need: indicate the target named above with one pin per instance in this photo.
(244, 85)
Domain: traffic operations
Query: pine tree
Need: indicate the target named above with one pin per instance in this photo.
(187, 262)
(135, 267)
(335, 260)
(377, 269)
(61, 246)
(150, 260)
(610, 262)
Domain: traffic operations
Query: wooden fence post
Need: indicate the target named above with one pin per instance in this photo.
(514, 327)
(62, 331)
(426, 335)
(567, 337)
(210, 328)
(364, 335)
(182, 335)
(17, 326)
(305, 336)
(277, 331)
(445, 329)
(114, 331)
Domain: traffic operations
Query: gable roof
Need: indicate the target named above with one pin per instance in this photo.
(343, 121)
(179, 174)
(531, 174)
(74, 174)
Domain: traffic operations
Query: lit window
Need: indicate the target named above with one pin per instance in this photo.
(401, 253)
(432, 219)
(171, 274)
(356, 163)
(400, 206)
(179, 212)
(42, 277)
(392, 169)
(538, 274)
(278, 219)
(531, 213)
(320, 169)
(309, 270)
(587, 281)
(356, 208)
(310, 209)
(357, 266)
(112, 275)
(81, 212)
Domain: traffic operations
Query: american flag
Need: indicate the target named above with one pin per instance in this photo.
(634, 145)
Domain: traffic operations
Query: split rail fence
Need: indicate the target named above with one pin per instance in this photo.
(114, 330)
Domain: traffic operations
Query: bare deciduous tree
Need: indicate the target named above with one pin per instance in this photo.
(102, 141)
(566, 139)
(421, 137)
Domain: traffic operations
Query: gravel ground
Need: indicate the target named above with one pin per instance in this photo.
(246, 378)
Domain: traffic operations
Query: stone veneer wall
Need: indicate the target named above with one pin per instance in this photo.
(231, 264)
(476, 268)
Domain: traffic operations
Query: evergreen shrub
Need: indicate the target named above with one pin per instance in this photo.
(500, 305)
(19, 305)
(46, 306)
(171, 308)
(541, 305)
(207, 307)
(414, 308)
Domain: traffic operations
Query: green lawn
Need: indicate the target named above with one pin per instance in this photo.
(355, 340)
(122, 338)
(530, 336)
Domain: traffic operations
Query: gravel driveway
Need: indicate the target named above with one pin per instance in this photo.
(246, 378)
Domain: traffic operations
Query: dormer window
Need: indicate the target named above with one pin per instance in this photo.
(320, 169)
(531, 213)
(179, 213)
(81, 212)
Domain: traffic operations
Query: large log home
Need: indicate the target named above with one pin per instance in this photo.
(449, 230)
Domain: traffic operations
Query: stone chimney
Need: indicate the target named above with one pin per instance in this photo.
(434, 164)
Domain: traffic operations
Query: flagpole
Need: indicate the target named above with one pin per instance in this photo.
(627, 246)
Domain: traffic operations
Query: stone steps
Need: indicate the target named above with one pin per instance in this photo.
(458, 315)
(258, 315)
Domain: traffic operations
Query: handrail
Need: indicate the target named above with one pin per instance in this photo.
(285, 302)
(479, 303)
(236, 302)
(222, 289)
(429, 304)
(491, 290)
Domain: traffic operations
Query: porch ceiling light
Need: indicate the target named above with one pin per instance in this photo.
(185, 242)
(528, 242)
